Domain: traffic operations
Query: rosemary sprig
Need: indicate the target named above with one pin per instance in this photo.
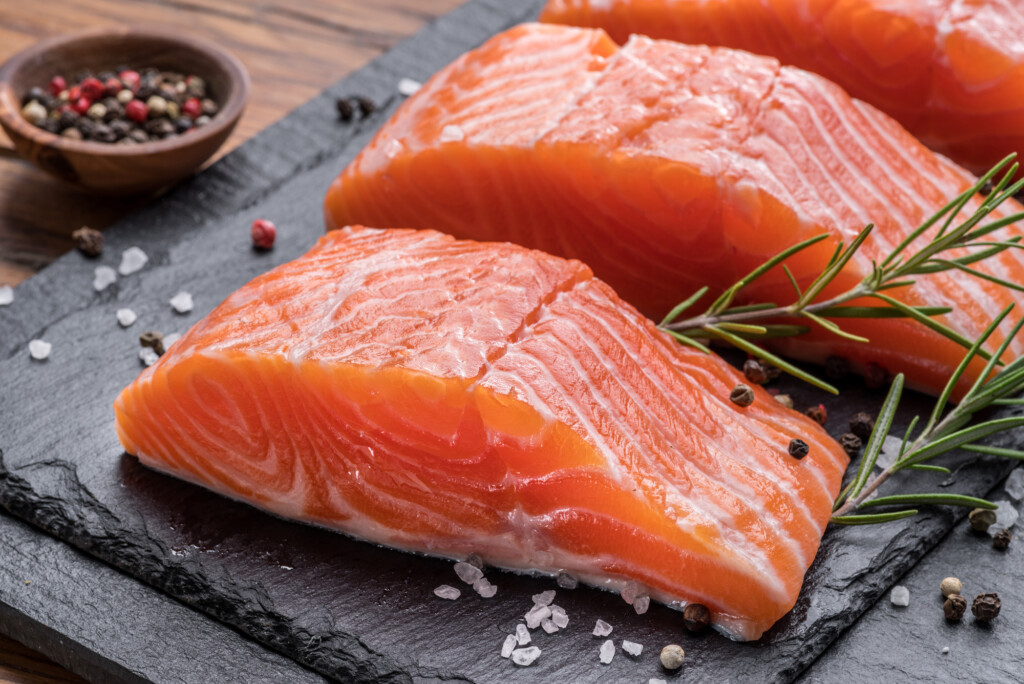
(943, 432)
(741, 325)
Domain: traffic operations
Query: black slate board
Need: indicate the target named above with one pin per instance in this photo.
(107, 627)
(348, 609)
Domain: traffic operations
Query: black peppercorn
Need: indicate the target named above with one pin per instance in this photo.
(954, 607)
(819, 414)
(836, 368)
(1001, 540)
(153, 340)
(875, 376)
(103, 134)
(85, 126)
(366, 105)
(88, 241)
(208, 107)
(345, 109)
(120, 128)
(986, 188)
(754, 372)
(145, 92)
(986, 607)
(67, 118)
(182, 124)
(771, 370)
(138, 135)
(798, 449)
(159, 128)
(742, 395)
(36, 93)
(861, 425)
(51, 125)
(851, 444)
(696, 617)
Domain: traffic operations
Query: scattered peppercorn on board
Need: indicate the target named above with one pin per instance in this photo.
(347, 609)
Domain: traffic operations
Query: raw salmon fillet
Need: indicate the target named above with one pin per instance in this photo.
(451, 397)
(950, 71)
(665, 167)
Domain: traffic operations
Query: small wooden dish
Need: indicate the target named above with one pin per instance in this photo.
(112, 168)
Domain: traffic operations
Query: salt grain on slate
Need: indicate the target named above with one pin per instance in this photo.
(447, 592)
(566, 581)
(535, 615)
(652, 680)
(39, 350)
(890, 450)
(182, 302)
(483, 587)
(132, 260)
(103, 277)
(6, 295)
(126, 317)
(468, 573)
(1014, 483)
(602, 629)
(900, 596)
(148, 356)
(544, 598)
(525, 656)
(522, 634)
(630, 591)
(1006, 517)
(559, 617)
(451, 134)
(641, 604)
(171, 339)
(945, 650)
(508, 646)
(632, 648)
(548, 626)
(407, 86)
(607, 651)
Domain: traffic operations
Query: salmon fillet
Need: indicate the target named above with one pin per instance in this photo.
(666, 167)
(951, 72)
(452, 397)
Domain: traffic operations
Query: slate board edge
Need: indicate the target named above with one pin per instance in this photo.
(43, 580)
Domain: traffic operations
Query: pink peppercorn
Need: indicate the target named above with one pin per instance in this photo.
(57, 84)
(74, 92)
(137, 111)
(112, 86)
(192, 107)
(130, 79)
(81, 105)
(263, 234)
(92, 88)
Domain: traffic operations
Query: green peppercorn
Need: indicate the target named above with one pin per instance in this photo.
(742, 395)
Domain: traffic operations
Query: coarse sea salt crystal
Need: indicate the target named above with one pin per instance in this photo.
(103, 277)
(468, 573)
(508, 646)
(559, 617)
(132, 260)
(602, 628)
(147, 356)
(1006, 517)
(945, 650)
(407, 86)
(900, 596)
(566, 581)
(182, 302)
(525, 656)
(607, 651)
(544, 598)
(483, 587)
(447, 592)
(630, 591)
(39, 350)
(653, 680)
(171, 339)
(126, 317)
(535, 615)
(890, 450)
(1015, 485)
(6, 295)
(632, 648)
(451, 134)
(522, 634)
(548, 626)
(641, 604)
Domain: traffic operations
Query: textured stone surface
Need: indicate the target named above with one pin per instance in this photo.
(348, 609)
(905, 644)
(108, 627)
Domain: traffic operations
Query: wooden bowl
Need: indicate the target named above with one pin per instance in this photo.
(112, 168)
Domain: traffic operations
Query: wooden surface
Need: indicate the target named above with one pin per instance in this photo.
(292, 51)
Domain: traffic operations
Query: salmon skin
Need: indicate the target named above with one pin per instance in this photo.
(452, 397)
(952, 73)
(667, 167)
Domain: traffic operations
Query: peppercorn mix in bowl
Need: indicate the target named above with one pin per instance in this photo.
(53, 88)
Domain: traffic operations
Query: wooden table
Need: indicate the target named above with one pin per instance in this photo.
(292, 51)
